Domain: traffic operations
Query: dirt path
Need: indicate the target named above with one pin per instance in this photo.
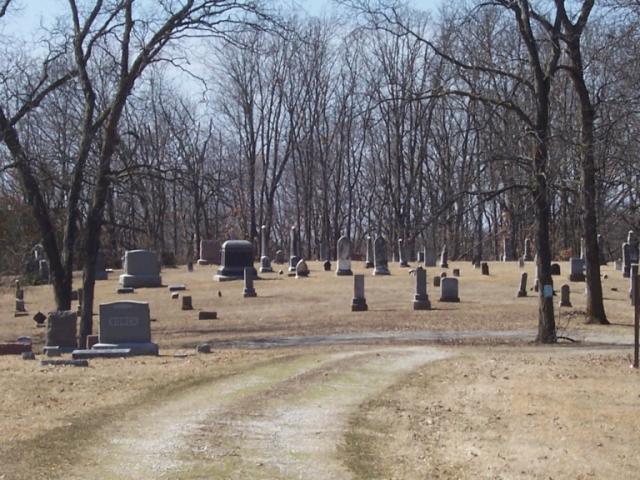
(280, 420)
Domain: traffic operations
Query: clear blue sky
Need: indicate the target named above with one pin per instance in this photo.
(32, 13)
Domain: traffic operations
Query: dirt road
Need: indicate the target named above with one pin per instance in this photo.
(283, 419)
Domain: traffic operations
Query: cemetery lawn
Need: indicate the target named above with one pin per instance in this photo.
(472, 399)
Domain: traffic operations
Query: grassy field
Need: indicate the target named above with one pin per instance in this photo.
(483, 397)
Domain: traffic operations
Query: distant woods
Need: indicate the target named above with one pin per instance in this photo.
(351, 127)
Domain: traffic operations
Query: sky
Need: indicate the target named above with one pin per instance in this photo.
(25, 22)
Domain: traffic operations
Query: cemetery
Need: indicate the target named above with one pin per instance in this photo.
(346, 240)
(476, 327)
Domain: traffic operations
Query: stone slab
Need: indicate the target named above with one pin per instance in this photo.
(106, 353)
(64, 363)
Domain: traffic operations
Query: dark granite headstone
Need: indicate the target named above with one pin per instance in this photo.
(236, 256)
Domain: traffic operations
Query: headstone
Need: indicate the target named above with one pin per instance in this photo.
(39, 318)
(583, 249)
(626, 260)
(327, 266)
(456, 272)
(484, 268)
(209, 252)
(61, 329)
(125, 326)
(370, 255)
(429, 258)
(444, 258)
(265, 261)
(189, 266)
(101, 267)
(177, 287)
(576, 272)
(420, 257)
(507, 253)
(449, 290)
(187, 303)
(294, 249)
(632, 278)
(359, 302)
(125, 290)
(380, 257)
(421, 299)
(536, 285)
(64, 363)
(19, 291)
(555, 269)
(302, 270)
(602, 256)
(436, 281)
(522, 291)
(402, 254)
(565, 296)
(237, 255)
(249, 291)
(203, 348)
(141, 269)
(279, 257)
(21, 310)
(344, 257)
(521, 262)
(528, 254)
(207, 315)
(43, 271)
(28, 356)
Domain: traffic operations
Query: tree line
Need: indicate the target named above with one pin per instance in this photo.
(513, 119)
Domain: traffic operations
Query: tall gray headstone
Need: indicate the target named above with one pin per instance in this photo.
(402, 255)
(141, 269)
(294, 249)
(449, 290)
(380, 257)
(444, 258)
(507, 254)
(249, 290)
(430, 259)
(359, 302)
(522, 291)
(369, 259)
(421, 299)
(265, 261)
(528, 254)
(344, 257)
(209, 252)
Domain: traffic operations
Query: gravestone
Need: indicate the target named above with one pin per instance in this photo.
(101, 267)
(21, 309)
(125, 326)
(555, 269)
(189, 266)
(62, 329)
(207, 315)
(344, 257)
(456, 272)
(369, 260)
(565, 296)
(402, 254)
(421, 299)
(327, 266)
(44, 273)
(507, 251)
(279, 257)
(141, 269)
(522, 291)
(359, 302)
(484, 268)
(528, 254)
(576, 269)
(209, 252)
(187, 303)
(536, 285)
(449, 290)
(380, 257)
(420, 257)
(237, 255)
(249, 291)
(265, 261)
(436, 281)
(602, 257)
(302, 270)
(294, 249)
(430, 259)
(444, 258)
(443, 274)
(583, 249)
